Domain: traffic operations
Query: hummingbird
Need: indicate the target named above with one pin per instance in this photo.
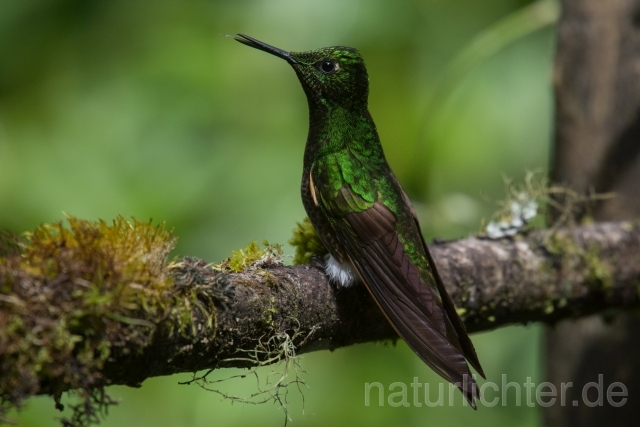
(365, 219)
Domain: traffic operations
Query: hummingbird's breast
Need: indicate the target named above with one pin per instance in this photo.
(343, 149)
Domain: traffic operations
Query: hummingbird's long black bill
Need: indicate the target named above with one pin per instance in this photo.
(257, 44)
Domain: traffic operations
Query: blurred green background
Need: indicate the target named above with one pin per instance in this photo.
(145, 109)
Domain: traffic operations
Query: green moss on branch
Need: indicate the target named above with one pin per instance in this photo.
(71, 297)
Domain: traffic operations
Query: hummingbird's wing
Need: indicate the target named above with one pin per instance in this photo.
(468, 349)
(401, 277)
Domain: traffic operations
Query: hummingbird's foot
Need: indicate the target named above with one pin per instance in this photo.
(340, 273)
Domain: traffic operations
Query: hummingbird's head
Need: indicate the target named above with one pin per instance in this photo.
(333, 75)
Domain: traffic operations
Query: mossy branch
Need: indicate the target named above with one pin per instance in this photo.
(97, 304)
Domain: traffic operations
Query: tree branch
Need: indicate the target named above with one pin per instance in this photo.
(544, 276)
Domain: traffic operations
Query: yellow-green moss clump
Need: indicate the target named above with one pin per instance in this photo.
(72, 296)
(306, 242)
(252, 256)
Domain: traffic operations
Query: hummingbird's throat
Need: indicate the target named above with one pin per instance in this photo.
(342, 274)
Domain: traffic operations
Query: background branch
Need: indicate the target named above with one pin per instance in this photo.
(597, 129)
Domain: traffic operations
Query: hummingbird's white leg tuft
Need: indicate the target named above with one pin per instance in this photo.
(342, 274)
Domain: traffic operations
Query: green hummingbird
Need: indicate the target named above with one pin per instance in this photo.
(364, 217)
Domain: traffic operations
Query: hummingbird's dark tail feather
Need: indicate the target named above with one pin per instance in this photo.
(466, 345)
(468, 349)
(402, 291)
(422, 337)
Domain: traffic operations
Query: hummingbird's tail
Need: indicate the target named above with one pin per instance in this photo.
(419, 309)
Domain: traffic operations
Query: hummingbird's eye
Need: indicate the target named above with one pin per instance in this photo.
(327, 66)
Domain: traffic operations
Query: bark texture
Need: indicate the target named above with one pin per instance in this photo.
(543, 277)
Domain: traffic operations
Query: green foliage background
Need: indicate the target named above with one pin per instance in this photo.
(144, 109)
